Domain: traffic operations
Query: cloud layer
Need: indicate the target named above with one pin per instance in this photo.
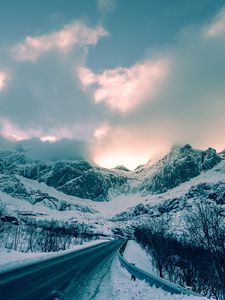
(127, 114)
(188, 106)
(43, 97)
(34, 149)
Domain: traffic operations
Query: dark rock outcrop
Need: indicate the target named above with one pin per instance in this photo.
(180, 165)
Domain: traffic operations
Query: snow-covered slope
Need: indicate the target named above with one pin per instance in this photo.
(68, 190)
(78, 178)
(208, 187)
(180, 165)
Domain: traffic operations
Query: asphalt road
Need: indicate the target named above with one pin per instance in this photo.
(64, 277)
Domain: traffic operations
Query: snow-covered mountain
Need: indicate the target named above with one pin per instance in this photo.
(78, 178)
(180, 165)
(87, 193)
(89, 181)
(174, 204)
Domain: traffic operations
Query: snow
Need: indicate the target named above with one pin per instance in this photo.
(107, 209)
(119, 204)
(215, 175)
(10, 259)
(41, 186)
(110, 208)
(117, 285)
(135, 254)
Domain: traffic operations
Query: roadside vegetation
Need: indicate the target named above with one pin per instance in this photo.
(27, 234)
(197, 258)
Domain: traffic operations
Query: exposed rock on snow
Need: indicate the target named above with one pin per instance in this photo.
(78, 178)
(180, 165)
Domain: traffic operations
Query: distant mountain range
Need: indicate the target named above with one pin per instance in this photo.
(85, 180)
(83, 192)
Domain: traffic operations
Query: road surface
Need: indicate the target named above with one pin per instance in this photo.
(65, 277)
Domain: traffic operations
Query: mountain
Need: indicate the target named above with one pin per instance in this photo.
(85, 180)
(49, 206)
(180, 165)
(78, 178)
(208, 188)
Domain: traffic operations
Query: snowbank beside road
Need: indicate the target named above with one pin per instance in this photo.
(117, 285)
(136, 255)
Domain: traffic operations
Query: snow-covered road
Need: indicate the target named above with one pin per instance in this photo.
(82, 275)
(63, 276)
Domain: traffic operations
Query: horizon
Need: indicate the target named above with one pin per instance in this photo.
(52, 151)
(74, 75)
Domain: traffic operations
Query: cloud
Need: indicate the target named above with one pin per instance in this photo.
(123, 89)
(125, 115)
(65, 149)
(106, 6)
(129, 144)
(217, 26)
(188, 107)
(3, 78)
(75, 34)
(34, 149)
(44, 99)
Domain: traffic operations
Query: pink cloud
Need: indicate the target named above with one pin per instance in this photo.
(101, 132)
(76, 33)
(3, 78)
(11, 131)
(217, 26)
(123, 89)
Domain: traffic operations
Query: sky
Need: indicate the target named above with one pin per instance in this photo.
(117, 82)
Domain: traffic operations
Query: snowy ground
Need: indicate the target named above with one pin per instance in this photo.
(138, 256)
(14, 259)
(123, 202)
(117, 285)
(107, 209)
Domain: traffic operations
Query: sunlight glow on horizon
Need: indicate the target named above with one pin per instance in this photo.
(130, 162)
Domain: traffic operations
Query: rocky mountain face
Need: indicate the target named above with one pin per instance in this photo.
(180, 165)
(174, 210)
(78, 178)
(171, 187)
(85, 180)
(10, 160)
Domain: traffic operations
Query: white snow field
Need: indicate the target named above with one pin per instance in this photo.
(135, 254)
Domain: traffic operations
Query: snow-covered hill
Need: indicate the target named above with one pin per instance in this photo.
(180, 165)
(206, 188)
(87, 193)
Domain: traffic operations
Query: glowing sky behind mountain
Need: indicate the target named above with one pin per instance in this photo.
(123, 79)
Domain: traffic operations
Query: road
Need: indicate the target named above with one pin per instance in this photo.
(65, 277)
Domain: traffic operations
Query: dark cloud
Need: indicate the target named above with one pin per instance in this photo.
(34, 149)
(64, 149)
(47, 95)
